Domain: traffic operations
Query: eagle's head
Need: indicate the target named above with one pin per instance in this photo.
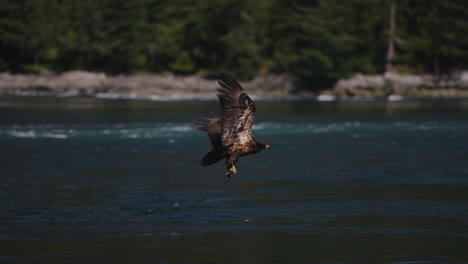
(261, 146)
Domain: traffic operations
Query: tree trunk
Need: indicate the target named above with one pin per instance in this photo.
(391, 38)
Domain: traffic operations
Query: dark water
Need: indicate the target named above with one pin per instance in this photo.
(102, 181)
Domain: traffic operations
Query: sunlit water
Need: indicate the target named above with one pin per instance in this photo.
(115, 181)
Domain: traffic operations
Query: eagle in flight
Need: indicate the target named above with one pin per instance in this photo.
(231, 135)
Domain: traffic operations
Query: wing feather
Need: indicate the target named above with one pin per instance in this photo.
(212, 126)
(237, 112)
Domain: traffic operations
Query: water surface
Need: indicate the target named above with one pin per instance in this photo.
(119, 181)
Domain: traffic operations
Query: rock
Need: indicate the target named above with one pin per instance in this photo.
(272, 85)
(85, 83)
(360, 85)
(401, 85)
(463, 79)
(168, 85)
(134, 86)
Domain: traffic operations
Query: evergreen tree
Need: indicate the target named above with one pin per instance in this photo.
(435, 37)
(12, 30)
(317, 40)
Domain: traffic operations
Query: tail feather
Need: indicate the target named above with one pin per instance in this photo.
(211, 158)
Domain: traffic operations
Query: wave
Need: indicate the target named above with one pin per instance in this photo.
(212, 97)
(158, 130)
(162, 98)
(171, 131)
(35, 134)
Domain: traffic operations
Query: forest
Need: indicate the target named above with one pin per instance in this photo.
(315, 39)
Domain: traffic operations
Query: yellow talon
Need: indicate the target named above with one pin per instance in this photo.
(233, 169)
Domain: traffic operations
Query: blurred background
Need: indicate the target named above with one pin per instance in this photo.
(313, 39)
(364, 104)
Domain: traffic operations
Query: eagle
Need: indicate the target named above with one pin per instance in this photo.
(231, 135)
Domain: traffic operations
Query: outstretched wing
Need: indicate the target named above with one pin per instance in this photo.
(237, 112)
(212, 126)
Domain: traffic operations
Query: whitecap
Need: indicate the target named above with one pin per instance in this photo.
(134, 135)
(258, 126)
(180, 97)
(23, 134)
(395, 98)
(179, 128)
(54, 135)
(327, 128)
(196, 97)
(36, 134)
(326, 98)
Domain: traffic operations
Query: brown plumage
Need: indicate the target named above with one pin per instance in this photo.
(231, 135)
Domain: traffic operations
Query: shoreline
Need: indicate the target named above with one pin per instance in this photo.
(395, 85)
(166, 85)
(170, 87)
(290, 98)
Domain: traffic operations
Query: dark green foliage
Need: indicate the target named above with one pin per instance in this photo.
(12, 29)
(318, 40)
(334, 38)
(437, 40)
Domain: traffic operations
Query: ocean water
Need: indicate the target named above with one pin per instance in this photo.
(88, 180)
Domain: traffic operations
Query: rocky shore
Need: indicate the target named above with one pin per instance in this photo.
(402, 85)
(167, 85)
(152, 86)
